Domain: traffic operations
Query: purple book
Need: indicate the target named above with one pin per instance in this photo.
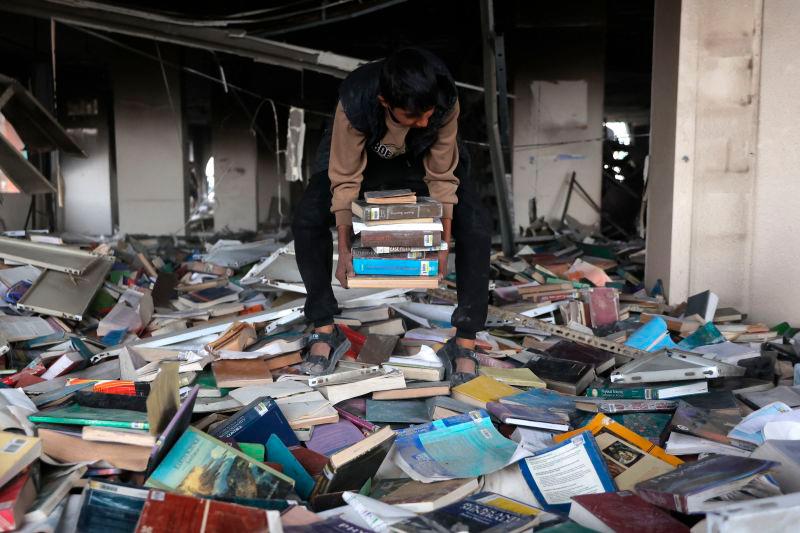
(328, 439)
(176, 427)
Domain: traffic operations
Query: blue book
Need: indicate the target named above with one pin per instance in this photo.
(277, 452)
(110, 508)
(256, 422)
(571, 468)
(651, 337)
(375, 266)
(467, 515)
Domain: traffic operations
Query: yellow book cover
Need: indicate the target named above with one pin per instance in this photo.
(482, 389)
(602, 423)
(516, 377)
(16, 452)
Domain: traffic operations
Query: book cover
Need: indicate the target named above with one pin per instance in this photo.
(580, 456)
(630, 458)
(445, 406)
(429, 255)
(377, 349)
(277, 452)
(16, 452)
(368, 266)
(233, 373)
(516, 377)
(110, 507)
(482, 389)
(466, 515)
(622, 512)
(686, 488)
(397, 411)
(209, 297)
(524, 415)
(705, 423)
(101, 400)
(15, 498)
(393, 282)
(327, 439)
(425, 207)
(601, 360)
(201, 465)
(164, 512)
(424, 389)
(330, 525)
(92, 416)
(255, 422)
(351, 467)
(390, 196)
(543, 398)
(562, 375)
(642, 391)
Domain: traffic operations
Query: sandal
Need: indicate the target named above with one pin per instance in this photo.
(319, 365)
(448, 355)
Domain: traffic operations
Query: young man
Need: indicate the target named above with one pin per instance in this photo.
(395, 127)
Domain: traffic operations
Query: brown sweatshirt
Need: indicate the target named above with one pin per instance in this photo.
(349, 159)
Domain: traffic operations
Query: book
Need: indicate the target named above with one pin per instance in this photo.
(351, 467)
(255, 422)
(630, 457)
(444, 406)
(423, 389)
(17, 452)
(164, 512)
(431, 255)
(377, 349)
(515, 377)
(73, 449)
(110, 507)
(688, 488)
(393, 196)
(782, 393)
(728, 314)
(65, 364)
(368, 266)
(307, 410)
(233, 373)
(422, 497)
(277, 452)
(580, 456)
(622, 512)
(787, 453)
(601, 360)
(378, 236)
(467, 515)
(393, 326)
(91, 416)
(778, 513)
(335, 524)
(703, 304)
(417, 373)
(527, 416)
(384, 381)
(393, 282)
(53, 488)
(570, 377)
(704, 423)
(208, 298)
(424, 207)
(642, 391)
(284, 360)
(174, 429)
(397, 411)
(16, 497)
(683, 444)
(367, 314)
(201, 465)
(133, 437)
(481, 390)
(327, 439)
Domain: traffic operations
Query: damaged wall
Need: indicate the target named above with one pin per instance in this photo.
(722, 201)
(559, 99)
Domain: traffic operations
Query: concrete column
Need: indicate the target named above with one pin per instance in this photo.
(151, 184)
(706, 61)
(558, 116)
(235, 159)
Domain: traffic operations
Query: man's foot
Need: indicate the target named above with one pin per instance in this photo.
(324, 349)
(459, 359)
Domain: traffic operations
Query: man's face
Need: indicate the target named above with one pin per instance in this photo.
(405, 118)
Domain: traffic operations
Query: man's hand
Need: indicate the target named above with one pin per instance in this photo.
(344, 266)
(443, 263)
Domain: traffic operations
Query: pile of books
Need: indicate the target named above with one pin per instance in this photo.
(398, 240)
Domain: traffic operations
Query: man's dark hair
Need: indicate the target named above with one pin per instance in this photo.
(408, 81)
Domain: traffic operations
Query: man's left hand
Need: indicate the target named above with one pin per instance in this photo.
(443, 263)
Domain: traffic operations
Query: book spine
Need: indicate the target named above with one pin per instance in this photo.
(619, 394)
(236, 424)
(394, 267)
(89, 422)
(401, 238)
(371, 253)
(401, 211)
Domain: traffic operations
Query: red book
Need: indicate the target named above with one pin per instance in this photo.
(16, 498)
(312, 461)
(622, 512)
(165, 512)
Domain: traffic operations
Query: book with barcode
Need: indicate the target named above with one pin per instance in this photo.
(411, 238)
(425, 207)
(16, 452)
(370, 252)
(367, 266)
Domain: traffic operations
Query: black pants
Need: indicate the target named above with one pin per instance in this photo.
(471, 230)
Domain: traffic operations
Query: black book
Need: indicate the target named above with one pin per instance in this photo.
(601, 360)
(350, 468)
(562, 375)
(103, 400)
(710, 424)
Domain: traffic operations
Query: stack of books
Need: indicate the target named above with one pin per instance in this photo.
(398, 240)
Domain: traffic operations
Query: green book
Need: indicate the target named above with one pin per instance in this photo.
(200, 465)
(79, 415)
(635, 391)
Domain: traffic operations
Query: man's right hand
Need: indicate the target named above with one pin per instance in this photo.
(344, 266)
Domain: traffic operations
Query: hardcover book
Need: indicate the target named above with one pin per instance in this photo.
(527, 416)
(410, 238)
(91, 416)
(622, 512)
(368, 266)
(201, 465)
(601, 360)
(256, 422)
(425, 207)
(562, 375)
(642, 391)
(110, 507)
(15, 498)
